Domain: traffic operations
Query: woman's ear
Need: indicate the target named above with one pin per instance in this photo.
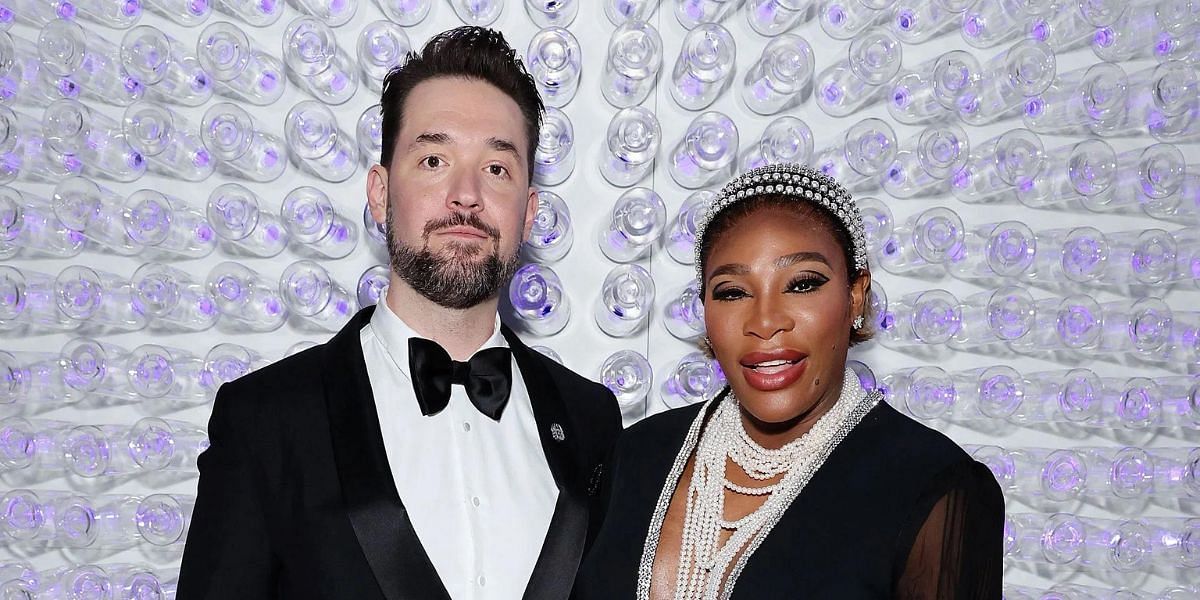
(860, 295)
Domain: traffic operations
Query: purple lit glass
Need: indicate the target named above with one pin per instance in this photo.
(995, 252)
(239, 70)
(405, 13)
(627, 374)
(781, 77)
(924, 243)
(315, 61)
(632, 143)
(373, 285)
(170, 72)
(865, 150)
(863, 77)
(246, 299)
(481, 13)
(929, 93)
(684, 314)
(171, 299)
(695, 378)
(119, 14)
(165, 445)
(29, 227)
(555, 62)
(554, 156)
(1130, 37)
(165, 225)
(692, 13)
(1007, 80)
(94, 140)
(227, 362)
(237, 217)
(773, 17)
(311, 293)
(707, 152)
(241, 149)
(679, 238)
(925, 393)
(315, 227)
(704, 66)
(162, 519)
(620, 11)
(636, 221)
(552, 235)
(1003, 315)
(167, 141)
(381, 46)
(634, 59)
(537, 298)
(318, 144)
(1086, 169)
(98, 299)
(159, 373)
(90, 61)
(95, 368)
(626, 300)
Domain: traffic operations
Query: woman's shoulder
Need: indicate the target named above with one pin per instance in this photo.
(902, 439)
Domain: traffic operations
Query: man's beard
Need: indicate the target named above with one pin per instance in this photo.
(451, 278)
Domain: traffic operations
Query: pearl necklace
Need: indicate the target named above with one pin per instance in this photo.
(708, 569)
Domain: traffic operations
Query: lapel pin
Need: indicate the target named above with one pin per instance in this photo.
(556, 432)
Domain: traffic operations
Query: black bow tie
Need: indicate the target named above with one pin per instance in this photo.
(487, 377)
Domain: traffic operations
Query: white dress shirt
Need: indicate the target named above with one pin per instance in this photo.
(479, 492)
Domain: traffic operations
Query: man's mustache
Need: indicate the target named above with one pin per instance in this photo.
(459, 219)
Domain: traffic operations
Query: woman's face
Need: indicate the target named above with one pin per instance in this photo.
(778, 309)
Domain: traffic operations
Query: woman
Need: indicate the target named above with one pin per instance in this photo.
(794, 482)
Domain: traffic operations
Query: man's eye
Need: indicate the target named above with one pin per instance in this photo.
(497, 170)
(432, 162)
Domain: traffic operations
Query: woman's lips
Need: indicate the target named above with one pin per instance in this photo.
(768, 372)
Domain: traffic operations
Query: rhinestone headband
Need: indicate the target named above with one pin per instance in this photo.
(797, 181)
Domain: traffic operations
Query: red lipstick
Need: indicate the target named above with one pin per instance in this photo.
(773, 370)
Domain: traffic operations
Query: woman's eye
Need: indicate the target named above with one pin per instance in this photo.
(806, 284)
(432, 162)
(728, 293)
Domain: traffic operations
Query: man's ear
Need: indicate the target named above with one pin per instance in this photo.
(531, 208)
(377, 193)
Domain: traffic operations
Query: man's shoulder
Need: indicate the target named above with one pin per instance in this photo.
(299, 373)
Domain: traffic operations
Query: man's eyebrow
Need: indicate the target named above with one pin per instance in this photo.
(503, 145)
(433, 137)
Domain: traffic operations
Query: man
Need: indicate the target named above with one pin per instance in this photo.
(425, 451)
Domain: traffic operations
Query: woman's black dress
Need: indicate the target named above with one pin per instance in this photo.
(897, 511)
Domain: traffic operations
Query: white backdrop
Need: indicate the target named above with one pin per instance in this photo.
(582, 345)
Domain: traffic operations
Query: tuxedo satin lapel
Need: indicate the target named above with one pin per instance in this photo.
(554, 573)
(373, 506)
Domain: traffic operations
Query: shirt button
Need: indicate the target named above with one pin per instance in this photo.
(475, 501)
(481, 580)
(466, 426)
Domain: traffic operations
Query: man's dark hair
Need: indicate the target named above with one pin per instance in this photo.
(469, 52)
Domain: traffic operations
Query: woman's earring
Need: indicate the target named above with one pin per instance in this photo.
(706, 346)
(858, 322)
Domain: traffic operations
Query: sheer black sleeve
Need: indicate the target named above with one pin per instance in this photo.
(952, 547)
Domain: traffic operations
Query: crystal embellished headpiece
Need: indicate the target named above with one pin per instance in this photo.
(797, 181)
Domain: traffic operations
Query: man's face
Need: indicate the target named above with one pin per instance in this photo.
(456, 197)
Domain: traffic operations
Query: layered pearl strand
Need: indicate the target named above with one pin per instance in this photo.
(709, 569)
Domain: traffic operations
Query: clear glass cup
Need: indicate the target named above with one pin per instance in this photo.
(631, 145)
(166, 226)
(373, 285)
(29, 227)
(555, 61)
(95, 214)
(878, 224)
(160, 373)
(247, 300)
(97, 369)
(239, 69)
(92, 451)
(774, 17)
(315, 227)
(694, 378)
(554, 157)
(707, 153)
(704, 67)
(1085, 169)
(1134, 403)
(994, 317)
(376, 232)
(242, 149)
(63, 46)
(683, 315)
(1165, 101)
(925, 162)
(311, 293)
(405, 13)
(691, 13)
(26, 155)
(1145, 176)
(90, 142)
(382, 45)
(626, 300)
(1095, 100)
(989, 24)
(632, 65)
(863, 77)
(245, 229)
(552, 234)
(620, 11)
(781, 77)
(163, 519)
(863, 152)
(537, 297)
(1142, 256)
(317, 144)
(1000, 167)
(1007, 80)
(628, 375)
(917, 21)
(1073, 396)
(227, 362)
(27, 302)
(33, 381)
(922, 318)
(169, 71)
(1073, 323)
(21, 78)
(333, 13)
(121, 14)
(98, 299)
(256, 13)
(929, 93)
(172, 300)
(679, 238)
(925, 393)
(636, 221)
(1139, 327)
(167, 141)
(844, 19)
(369, 133)
(481, 13)
(786, 139)
(1078, 255)
(316, 63)
(37, 14)
(188, 13)
(987, 394)
(995, 252)
(1131, 36)
(924, 243)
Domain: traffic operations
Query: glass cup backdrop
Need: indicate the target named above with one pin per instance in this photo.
(182, 203)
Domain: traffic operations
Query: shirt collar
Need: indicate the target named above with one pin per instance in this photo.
(393, 333)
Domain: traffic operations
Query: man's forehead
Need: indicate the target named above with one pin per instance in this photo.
(461, 110)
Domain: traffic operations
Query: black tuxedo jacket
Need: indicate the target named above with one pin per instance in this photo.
(297, 501)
